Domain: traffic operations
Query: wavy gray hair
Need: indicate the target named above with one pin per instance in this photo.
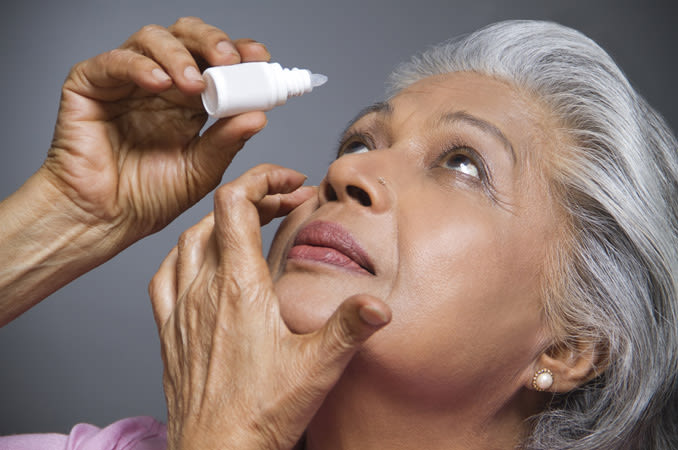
(614, 280)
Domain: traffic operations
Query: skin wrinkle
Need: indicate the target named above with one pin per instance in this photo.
(384, 110)
(450, 264)
(483, 125)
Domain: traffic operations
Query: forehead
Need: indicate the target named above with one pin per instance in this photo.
(490, 99)
(500, 108)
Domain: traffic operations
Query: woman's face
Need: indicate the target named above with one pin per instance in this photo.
(436, 204)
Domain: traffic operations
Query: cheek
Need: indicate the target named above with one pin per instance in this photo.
(466, 304)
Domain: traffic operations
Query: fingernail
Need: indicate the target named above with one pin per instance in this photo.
(192, 74)
(373, 316)
(226, 48)
(305, 190)
(262, 46)
(160, 75)
(247, 136)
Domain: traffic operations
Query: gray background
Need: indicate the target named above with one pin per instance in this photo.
(90, 352)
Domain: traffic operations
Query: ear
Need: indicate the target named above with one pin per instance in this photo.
(571, 365)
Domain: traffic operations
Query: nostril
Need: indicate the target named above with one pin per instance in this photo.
(359, 194)
(330, 194)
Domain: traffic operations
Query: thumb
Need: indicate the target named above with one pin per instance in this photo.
(358, 318)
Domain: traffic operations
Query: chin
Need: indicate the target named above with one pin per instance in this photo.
(307, 300)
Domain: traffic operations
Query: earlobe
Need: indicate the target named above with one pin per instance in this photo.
(542, 380)
(563, 369)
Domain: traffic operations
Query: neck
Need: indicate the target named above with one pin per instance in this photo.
(368, 412)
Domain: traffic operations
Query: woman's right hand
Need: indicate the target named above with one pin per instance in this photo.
(127, 157)
(235, 375)
(127, 150)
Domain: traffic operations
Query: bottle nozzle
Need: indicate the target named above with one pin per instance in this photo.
(318, 79)
(254, 86)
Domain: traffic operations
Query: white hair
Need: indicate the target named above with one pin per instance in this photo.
(615, 280)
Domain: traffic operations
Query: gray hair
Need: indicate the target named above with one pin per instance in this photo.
(614, 281)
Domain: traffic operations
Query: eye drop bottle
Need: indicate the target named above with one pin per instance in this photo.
(256, 86)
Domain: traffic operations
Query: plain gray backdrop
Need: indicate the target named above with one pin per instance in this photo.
(90, 351)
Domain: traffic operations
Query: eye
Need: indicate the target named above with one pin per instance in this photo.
(458, 160)
(354, 147)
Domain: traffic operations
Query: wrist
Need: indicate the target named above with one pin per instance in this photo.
(232, 439)
(53, 213)
(46, 242)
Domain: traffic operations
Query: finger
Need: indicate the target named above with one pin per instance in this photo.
(236, 219)
(192, 248)
(205, 42)
(113, 75)
(333, 346)
(159, 44)
(251, 50)
(278, 205)
(211, 153)
(163, 289)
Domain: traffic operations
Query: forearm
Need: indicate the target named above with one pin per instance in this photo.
(45, 242)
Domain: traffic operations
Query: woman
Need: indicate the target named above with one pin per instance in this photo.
(490, 262)
(512, 206)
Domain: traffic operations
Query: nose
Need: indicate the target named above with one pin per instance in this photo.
(361, 179)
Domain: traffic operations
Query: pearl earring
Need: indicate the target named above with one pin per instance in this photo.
(542, 380)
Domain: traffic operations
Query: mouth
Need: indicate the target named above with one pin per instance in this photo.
(329, 243)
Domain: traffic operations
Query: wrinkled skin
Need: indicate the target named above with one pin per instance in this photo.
(126, 158)
(235, 375)
(443, 192)
(126, 145)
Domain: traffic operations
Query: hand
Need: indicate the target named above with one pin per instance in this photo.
(126, 150)
(235, 376)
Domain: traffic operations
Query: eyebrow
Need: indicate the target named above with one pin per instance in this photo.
(386, 109)
(381, 108)
(482, 125)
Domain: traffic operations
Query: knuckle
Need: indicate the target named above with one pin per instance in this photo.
(215, 34)
(153, 286)
(341, 336)
(116, 54)
(117, 57)
(230, 194)
(150, 29)
(75, 72)
(266, 167)
(186, 21)
(188, 238)
(189, 20)
(180, 52)
(152, 291)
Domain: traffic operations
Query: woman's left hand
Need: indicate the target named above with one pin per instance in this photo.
(235, 376)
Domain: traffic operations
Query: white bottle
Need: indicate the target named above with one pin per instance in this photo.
(256, 86)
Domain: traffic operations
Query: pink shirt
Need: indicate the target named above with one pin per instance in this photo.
(134, 433)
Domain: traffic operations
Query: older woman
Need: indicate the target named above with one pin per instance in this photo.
(511, 210)
(490, 262)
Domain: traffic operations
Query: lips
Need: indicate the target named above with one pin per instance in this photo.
(330, 243)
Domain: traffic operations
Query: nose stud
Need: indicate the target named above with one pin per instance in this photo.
(381, 181)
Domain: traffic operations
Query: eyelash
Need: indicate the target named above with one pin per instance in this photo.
(455, 149)
(468, 152)
(352, 139)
